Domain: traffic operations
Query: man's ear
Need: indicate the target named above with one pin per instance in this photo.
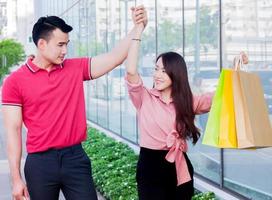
(31, 56)
(42, 44)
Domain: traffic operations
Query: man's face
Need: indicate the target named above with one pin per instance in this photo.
(55, 49)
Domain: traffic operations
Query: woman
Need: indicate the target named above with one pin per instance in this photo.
(166, 117)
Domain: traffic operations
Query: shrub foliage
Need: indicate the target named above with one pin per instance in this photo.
(114, 168)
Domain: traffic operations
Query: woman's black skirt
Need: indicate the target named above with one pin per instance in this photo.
(157, 179)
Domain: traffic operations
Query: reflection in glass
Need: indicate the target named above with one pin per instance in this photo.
(148, 46)
(169, 25)
(247, 27)
(93, 99)
(115, 87)
(101, 47)
(201, 55)
(128, 114)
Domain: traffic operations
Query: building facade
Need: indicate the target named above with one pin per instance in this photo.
(208, 33)
(3, 18)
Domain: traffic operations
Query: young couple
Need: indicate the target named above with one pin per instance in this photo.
(46, 94)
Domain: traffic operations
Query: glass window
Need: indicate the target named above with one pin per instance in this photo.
(128, 114)
(169, 25)
(72, 19)
(202, 55)
(148, 50)
(116, 86)
(82, 46)
(246, 26)
(92, 98)
(101, 45)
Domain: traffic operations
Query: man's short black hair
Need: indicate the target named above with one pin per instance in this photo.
(46, 25)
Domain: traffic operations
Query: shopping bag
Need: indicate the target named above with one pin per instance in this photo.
(227, 131)
(251, 113)
(211, 134)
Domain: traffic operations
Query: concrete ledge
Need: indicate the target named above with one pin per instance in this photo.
(205, 187)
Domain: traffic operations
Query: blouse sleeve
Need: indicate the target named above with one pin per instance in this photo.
(202, 103)
(135, 91)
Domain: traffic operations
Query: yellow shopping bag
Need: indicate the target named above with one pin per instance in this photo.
(227, 131)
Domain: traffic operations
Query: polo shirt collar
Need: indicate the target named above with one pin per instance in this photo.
(34, 68)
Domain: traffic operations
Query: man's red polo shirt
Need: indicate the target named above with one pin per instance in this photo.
(53, 106)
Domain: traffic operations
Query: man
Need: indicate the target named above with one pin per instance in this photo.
(46, 94)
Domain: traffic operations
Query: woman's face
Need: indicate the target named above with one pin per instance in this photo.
(161, 79)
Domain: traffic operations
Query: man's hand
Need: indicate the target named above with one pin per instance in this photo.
(19, 190)
(139, 15)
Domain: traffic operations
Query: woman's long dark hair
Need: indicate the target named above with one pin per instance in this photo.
(182, 96)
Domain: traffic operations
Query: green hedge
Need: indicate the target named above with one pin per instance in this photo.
(114, 168)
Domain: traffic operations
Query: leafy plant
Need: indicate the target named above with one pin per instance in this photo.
(11, 53)
(114, 168)
(204, 196)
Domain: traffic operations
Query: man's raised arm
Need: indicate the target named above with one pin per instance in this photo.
(104, 63)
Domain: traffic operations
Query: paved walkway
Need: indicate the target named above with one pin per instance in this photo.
(5, 182)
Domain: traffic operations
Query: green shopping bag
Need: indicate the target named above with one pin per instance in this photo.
(211, 135)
